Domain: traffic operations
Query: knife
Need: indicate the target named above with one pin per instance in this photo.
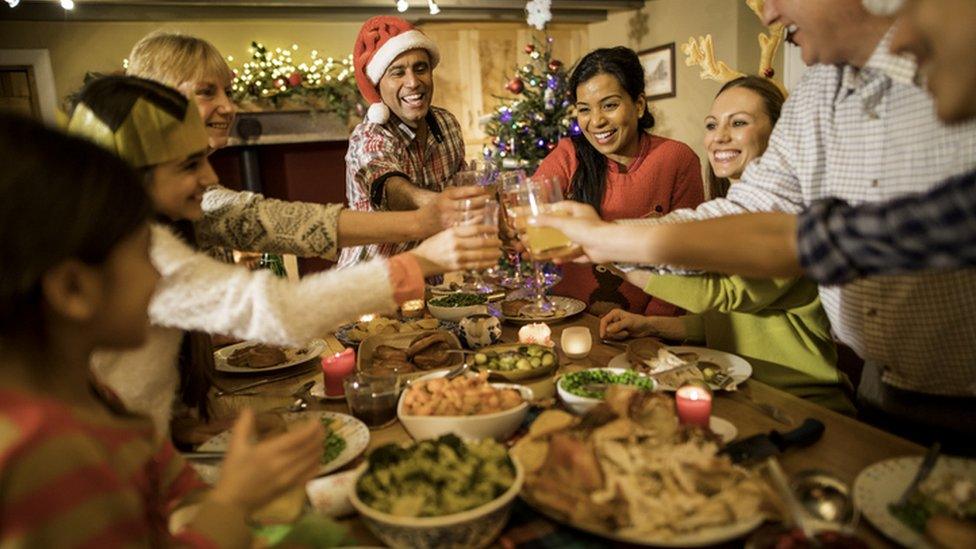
(923, 472)
(759, 447)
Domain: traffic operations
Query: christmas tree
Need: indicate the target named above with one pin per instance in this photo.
(525, 129)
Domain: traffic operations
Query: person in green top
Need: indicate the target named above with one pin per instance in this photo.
(778, 325)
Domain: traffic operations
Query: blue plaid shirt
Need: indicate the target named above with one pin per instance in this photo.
(839, 242)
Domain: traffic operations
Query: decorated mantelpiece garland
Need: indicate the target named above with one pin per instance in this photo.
(272, 79)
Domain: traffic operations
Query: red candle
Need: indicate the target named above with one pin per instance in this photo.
(337, 368)
(694, 405)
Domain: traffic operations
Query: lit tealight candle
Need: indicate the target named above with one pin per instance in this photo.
(694, 404)
(335, 369)
(537, 333)
(366, 318)
(413, 308)
(576, 341)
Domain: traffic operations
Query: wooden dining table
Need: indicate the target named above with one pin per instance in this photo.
(846, 448)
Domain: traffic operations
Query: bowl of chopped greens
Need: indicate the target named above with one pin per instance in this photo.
(457, 306)
(443, 493)
(584, 389)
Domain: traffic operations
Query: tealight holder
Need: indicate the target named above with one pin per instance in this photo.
(693, 401)
(576, 342)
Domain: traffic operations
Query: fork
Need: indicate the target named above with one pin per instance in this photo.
(745, 397)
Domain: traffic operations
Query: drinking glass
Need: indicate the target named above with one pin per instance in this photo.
(509, 189)
(537, 197)
(373, 399)
(478, 211)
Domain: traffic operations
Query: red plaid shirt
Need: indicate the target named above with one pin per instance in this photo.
(379, 151)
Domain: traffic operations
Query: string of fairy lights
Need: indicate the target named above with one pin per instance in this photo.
(66, 4)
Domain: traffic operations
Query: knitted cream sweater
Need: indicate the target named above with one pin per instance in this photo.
(196, 292)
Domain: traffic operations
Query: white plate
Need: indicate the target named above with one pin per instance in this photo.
(705, 537)
(883, 482)
(565, 308)
(355, 433)
(312, 351)
(724, 428)
(738, 367)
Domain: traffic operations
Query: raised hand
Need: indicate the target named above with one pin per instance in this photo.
(255, 473)
(459, 248)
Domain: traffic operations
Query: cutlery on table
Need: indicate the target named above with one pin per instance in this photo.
(236, 390)
(745, 397)
(613, 343)
(923, 472)
(761, 446)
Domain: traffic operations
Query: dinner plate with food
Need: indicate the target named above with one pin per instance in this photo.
(515, 361)
(249, 357)
(628, 471)
(345, 438)
(672, 366)
(941, 512)
(514, 310)
(352, 334)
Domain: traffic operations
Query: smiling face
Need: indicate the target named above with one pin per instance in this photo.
(736, 131)
(609, 117)
(217, 111)
(827, 31)
(177, 186)
(408, 85)
(939, 34)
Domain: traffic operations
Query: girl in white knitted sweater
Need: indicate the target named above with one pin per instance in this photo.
(156, 129)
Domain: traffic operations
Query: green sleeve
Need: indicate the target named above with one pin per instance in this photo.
(725, 294)
(694, 328)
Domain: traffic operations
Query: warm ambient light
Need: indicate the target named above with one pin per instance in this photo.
(434, 9)
(576, 341)
(13, 3)
(402, 5)
(694, 404)
(68, 4)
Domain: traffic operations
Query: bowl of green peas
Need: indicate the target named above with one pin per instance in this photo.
(580, 391)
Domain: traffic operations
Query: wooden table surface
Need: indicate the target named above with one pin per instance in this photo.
(847, 446)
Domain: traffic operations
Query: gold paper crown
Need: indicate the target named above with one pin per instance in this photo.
(147, 136)
(700, 51)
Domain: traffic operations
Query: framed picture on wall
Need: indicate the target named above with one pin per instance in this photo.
(659, 77)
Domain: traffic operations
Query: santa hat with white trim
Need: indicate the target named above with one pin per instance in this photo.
(381, 40)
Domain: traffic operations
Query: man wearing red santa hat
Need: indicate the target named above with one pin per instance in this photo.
(406, 151)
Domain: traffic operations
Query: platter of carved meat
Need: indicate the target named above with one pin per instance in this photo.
(628, 471)
(409, 355)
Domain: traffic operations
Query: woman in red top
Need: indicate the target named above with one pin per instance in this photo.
(619, 168)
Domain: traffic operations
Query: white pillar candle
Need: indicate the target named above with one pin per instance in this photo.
(576, 341)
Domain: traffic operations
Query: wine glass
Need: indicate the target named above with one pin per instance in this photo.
(537, 197)
(509, 188)
(480, 210)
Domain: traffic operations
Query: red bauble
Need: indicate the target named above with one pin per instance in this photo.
(295, 79)
(515, 85)
(529, 48)
(554, 65)
(769, 73)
